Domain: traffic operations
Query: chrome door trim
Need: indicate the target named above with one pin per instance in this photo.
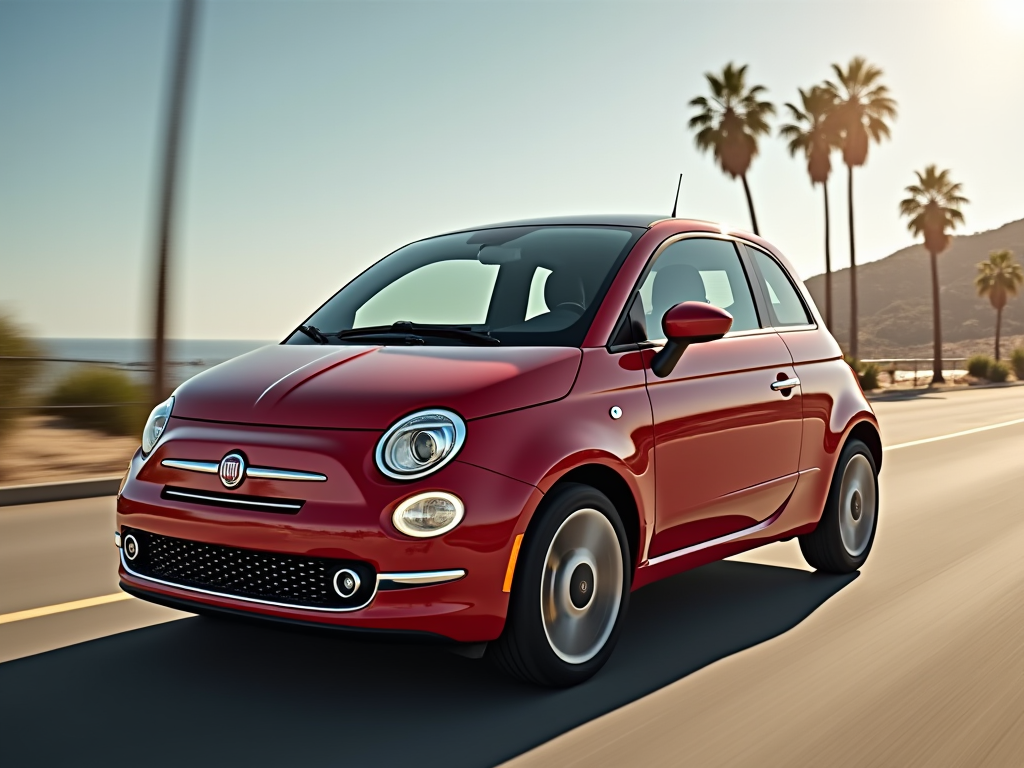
(756, 528)
(720, 540)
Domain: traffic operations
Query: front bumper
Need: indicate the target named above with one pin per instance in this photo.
(347, 518)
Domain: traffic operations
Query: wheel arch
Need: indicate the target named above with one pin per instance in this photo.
(613, 485)
(867, 433)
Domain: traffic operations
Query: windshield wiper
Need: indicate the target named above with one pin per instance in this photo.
(314, 333)
(409, 330)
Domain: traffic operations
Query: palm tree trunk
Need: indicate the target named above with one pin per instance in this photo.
(750, 204)
(937, 377)
(828, 263)
(172, 142)
(853, 266)
(999, 323)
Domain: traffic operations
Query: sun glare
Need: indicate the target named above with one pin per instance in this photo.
(1010, 10)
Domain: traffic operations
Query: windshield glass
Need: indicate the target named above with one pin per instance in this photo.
(521, 286)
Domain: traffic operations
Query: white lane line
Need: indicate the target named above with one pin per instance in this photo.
(46, 610)
(955, 434)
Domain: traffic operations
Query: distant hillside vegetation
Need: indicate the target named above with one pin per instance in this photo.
(895, 294)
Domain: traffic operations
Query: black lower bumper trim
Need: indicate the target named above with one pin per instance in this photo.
(355, 633)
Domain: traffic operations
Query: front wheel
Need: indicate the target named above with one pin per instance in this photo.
(842, 541)
(570, 591)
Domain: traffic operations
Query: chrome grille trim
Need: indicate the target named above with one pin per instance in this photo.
(269, 473)
(209, 467)
(421, 577)
(199, 495)
(318, 609)
(257, 473)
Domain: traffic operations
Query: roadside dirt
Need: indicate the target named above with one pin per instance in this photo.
(43, 450)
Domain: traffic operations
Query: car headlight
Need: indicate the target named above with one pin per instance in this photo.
(155, 425)
(428, 514)
(420, 443)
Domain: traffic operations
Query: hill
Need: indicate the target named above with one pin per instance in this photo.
(895, 295)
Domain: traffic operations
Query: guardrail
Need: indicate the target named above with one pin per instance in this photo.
(915, 367)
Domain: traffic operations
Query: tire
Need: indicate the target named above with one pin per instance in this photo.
(570, 591)
(842, 541)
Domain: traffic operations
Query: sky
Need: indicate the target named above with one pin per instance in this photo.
(323, 135)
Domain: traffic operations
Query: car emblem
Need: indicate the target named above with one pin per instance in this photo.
(232, 470)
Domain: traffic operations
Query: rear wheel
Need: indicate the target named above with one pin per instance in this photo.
(570, 591)
(842, 541)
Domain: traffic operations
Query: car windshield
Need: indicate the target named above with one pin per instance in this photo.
(519, 286)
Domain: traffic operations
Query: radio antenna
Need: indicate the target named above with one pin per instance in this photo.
(675, 200)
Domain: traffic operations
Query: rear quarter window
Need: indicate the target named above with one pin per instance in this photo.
(783, 298)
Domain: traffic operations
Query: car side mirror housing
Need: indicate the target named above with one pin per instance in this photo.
(692, 322)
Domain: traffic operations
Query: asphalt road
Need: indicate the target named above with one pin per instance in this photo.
(919, 660)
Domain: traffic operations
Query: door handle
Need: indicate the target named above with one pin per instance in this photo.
(785, 384)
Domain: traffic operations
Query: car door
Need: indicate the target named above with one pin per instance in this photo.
(727, 436)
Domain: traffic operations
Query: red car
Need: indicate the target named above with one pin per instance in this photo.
(493, 436)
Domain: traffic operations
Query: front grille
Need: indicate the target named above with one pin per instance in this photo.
(306, 582)
(233, 500)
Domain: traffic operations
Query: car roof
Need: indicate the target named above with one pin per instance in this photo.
(605, 220)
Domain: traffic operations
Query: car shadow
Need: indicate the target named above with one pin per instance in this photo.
(209, 692)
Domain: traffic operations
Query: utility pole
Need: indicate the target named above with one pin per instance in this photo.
(181, 53)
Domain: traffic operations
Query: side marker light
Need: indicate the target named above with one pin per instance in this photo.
(512, 563)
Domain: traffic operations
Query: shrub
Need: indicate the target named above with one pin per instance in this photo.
(124, 410)
(978, 366)
(998, 371)
(1017, 362)
(867, 373)
(15, 375)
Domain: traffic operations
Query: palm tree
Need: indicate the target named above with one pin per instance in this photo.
(177, 102)
(730, 122)
(934, 209)
(862, 108)
(999, 278)
(813, 134)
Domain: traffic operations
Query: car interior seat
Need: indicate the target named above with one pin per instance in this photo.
(674, 284)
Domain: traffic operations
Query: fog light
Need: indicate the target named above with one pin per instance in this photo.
(428, 514)
(131, 547)
(346, 582)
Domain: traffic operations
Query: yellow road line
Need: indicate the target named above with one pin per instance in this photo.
(955, 434)
(34, 613)
(46, 610)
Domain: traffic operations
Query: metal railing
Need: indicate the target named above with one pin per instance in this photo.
(915, 367)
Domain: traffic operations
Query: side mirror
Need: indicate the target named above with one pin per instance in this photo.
(691, 322)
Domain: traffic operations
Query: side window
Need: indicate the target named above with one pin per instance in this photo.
(782, 297)
(698, 270)
(536, 305)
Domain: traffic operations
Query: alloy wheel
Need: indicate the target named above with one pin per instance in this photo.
(581, 586)
(857, 505)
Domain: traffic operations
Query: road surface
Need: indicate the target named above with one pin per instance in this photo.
(918, 661)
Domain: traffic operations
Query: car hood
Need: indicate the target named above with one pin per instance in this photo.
(369, 387)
